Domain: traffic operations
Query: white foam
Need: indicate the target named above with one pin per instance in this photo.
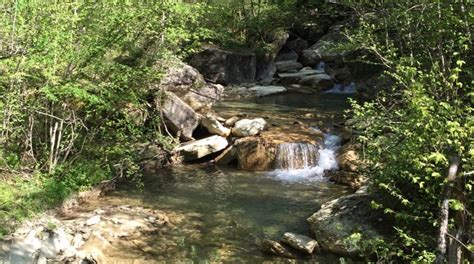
(327, 161)
(340, 89)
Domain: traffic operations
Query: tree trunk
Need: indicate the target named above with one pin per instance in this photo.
(444, 210)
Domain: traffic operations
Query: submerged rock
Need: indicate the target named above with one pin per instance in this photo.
(248, 127)
(338, 219)
(214, 126)
(201, 148)
(267, 90)
(180, 117)
(302, 243)
(276, 248)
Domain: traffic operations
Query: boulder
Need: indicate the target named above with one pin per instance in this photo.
(231, 121)
(318, 81)
(265, 66)
(297, 45)
(325, 46)
(302, 243)
(201, 148)
(255, 153)
(276, 248)
(225, 67)
(214, 126)
(287, 55)
(248, 127)
(180, 78)
(351, 179)
(292, 78)
(267, 90)
(266, 69)
(309, 57)
(286, 66)
(227, 156)
(348, 159)
(342, 75)
(180, 118)
(341, 218)
(201, 99)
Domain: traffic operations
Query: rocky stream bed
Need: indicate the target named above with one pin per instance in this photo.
(268, 172)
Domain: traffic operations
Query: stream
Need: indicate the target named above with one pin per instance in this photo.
(220, 213)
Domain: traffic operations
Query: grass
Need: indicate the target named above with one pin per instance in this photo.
(25, 196)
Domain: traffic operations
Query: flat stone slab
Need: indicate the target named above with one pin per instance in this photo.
(301, 74)
(300, 242)
(267, 90)
(201, 148)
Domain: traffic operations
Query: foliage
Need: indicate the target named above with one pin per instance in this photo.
(73, 76)
(413, 130)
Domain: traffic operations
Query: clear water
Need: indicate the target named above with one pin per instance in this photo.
(221, 213)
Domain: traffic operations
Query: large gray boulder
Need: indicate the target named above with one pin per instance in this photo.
(287, 55)
(339, 219)
(202, 99)
(180, 78)
(180, 118)
(297, 45)
(326, 46)
(200, 148)
(286, 66)
(309, 57)
(317, 81)
(225, 67)
(248, 127)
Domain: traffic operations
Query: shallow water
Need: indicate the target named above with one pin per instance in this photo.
(326, 109)
(220, 213)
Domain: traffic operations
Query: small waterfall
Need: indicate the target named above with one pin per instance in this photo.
(341, 89)
(298, 162)
(321, 66)
(293, 156)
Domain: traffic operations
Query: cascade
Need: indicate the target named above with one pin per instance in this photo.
(341, 89)
(321, 66)
(306, 162)
(296, 156)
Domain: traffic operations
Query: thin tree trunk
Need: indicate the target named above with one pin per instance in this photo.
(444, 211)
